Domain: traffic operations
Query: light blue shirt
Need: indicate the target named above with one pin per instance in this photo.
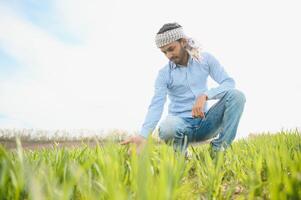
(183, 85)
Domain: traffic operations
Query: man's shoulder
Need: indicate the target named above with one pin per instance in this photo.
(206, 55)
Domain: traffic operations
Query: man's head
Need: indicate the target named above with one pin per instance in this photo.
(172, 42)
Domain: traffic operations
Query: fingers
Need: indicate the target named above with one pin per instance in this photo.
(195, 112)
(129, 152)
(140, 148)
(138, 145)
(132, 139)
(202, 115)
(126, 141)
(198, 112)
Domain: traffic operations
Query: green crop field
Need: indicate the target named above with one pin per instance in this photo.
(266, 166)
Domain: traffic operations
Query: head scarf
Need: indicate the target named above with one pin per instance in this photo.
(167, 37)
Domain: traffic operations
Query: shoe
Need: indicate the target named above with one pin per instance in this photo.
(188, 154)
(214, 153)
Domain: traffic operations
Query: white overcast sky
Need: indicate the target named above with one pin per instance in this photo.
(92, 64)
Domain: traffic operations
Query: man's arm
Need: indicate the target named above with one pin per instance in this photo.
(154, 113)
(156, 106)
(218, 74)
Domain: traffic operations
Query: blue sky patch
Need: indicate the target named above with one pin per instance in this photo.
(44, 15)
(8, 64)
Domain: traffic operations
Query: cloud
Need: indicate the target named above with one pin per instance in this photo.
(106, 79)
(66, 85)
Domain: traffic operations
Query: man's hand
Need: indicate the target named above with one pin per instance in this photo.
(138, 140)
(198, 108)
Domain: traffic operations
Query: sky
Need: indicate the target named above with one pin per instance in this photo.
(92, 64)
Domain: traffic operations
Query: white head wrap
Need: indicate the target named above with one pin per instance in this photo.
(192, 47)
(169, 36)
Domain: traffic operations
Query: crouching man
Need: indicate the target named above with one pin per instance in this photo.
(184, 80)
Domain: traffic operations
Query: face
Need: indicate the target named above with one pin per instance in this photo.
(175, 51)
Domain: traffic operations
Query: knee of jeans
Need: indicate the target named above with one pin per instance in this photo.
(237, 96)
(170, 126)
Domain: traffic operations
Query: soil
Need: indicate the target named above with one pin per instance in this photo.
(33, 145)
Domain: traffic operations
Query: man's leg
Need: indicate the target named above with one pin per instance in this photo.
(223, 119)
(174, 130)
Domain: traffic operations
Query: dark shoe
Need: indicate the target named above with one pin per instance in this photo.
(212, 152)
(188, 154)
(215, 153)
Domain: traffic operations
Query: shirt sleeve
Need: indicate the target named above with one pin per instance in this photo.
(218, 74)
(156, 106)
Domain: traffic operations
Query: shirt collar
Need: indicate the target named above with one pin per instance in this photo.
(173, 65)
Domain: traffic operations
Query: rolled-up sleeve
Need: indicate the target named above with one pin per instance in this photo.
(218, 74)
(156, 106)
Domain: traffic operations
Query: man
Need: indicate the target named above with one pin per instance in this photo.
(184, 80)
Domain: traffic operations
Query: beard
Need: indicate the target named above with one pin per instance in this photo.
(175, 60)
(180, 58)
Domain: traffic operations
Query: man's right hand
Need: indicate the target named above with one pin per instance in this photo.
(138, 140)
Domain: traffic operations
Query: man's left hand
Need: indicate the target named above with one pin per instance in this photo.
(198, 108)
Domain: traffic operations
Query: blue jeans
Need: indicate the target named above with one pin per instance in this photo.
(221, 120)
